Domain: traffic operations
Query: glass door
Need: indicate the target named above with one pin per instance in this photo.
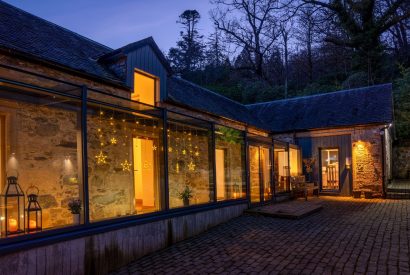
(266, 175)
(329, 166)
(260, 166)
(281, 168)
(254, 176)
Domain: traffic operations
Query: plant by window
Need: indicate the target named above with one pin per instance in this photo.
(74, 206)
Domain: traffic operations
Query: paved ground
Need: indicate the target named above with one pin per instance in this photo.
(348, 236)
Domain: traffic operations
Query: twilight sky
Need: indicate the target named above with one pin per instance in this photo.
(116, 23)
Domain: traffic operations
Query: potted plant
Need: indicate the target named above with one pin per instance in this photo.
(74, 206)
(186, 195)
(357, 194)
(368, 194)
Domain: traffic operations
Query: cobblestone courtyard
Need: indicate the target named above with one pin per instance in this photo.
(347, 236)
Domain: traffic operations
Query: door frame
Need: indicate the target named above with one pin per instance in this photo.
(320, 169)
(270, 147)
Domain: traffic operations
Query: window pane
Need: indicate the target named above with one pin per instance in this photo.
(40, 142)
(254, 166)
(125, 155)
(281, 168)
(266, 172)
(295, 162)
(230, 163)
(189, 166)
(144, 89)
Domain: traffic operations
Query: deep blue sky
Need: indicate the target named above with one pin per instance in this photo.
(116, 23)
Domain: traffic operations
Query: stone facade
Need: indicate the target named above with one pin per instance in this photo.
(401, 157)
(42, 146)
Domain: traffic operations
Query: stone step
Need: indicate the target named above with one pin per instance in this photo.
(398, 190)
(398, 195)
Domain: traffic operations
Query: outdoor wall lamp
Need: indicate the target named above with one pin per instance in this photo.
(348, 163)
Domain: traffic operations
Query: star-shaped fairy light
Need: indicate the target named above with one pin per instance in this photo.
(113, 140)
(197, 154)
(184, 152)
(126, 166)
(191, 166)
(101, 158)
(154, 148)
(170, 149)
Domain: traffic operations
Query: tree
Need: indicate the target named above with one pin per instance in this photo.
(250, 26)
(363, 23)
(189, 53)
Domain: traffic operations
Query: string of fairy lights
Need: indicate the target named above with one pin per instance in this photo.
(113, 132)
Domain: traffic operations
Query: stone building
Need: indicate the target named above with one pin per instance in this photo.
(125, 158)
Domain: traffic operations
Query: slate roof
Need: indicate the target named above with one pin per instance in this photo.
(29, 34)
(36, 37)
(194, 96)
(368, 105)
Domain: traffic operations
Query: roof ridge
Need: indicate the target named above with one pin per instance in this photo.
(321, 94)
(56, 25)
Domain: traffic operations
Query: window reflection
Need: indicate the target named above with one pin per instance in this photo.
(281, 168)
(229, 157)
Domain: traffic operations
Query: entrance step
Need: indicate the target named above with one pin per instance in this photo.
(294, 209)
(398, 189)
(398, 195)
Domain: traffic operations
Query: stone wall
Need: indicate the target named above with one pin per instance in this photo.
(189, 164)
(401, 160)
(367, 159)
(42, 144)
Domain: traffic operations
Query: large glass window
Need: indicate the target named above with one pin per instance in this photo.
(254, 169)
(266, 173)
(40, 161)
(125, 163)
(295, 160)
(144, 88)
(189, 163)
(230, 163)
(281, 167)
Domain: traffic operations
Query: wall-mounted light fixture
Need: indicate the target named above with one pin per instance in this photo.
(348, 163)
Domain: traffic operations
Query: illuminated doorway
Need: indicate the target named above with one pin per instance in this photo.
(329, 166)
(146, 180)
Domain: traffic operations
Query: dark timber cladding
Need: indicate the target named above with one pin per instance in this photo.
(147, 60)
(311, 149)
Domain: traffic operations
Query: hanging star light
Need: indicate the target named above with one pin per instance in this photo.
(197, 154)
(101, 158)
(154, 148)
(126, 166)
(113, 140)
(184, 152)
(191, 166)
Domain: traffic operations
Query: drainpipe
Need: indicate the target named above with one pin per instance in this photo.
(382, 137)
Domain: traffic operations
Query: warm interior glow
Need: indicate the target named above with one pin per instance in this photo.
(144, 89)
(144, 176)
(220, 173)
(266, 172)
(281, 169)
(330, 169)
(254, 173)
(295, 162)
